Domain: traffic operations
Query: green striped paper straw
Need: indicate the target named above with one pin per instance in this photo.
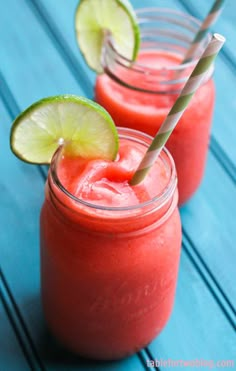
(199, 73)
(207, 23)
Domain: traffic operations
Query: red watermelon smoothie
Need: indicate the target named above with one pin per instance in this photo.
(140, 96)
(109, 251)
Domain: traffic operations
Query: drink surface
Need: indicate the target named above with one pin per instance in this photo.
(106, 183)
(108, 277)
(146, 111)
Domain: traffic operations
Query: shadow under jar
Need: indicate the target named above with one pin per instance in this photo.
(108, 273)
(140, 94)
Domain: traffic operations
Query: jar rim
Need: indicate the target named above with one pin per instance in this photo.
(114, 63)
(140, 12)
(159, 200)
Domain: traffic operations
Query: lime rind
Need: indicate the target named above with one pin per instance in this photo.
(85, 128)
(134, 20)
(93, 18)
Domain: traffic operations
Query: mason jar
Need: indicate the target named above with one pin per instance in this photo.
(108, 273)
(140, 94)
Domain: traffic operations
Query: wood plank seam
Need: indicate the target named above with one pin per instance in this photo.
(152, 358)
(210, 282)
(8, 98)
(223, 159)
(75, 67)
(145, 357)
(61, 45)
(23, 348)
(207, 269)
(209, 279)
(13, 109)
(19, 327)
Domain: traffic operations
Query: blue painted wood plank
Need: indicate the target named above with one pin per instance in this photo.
(211, 174)
(63, 15)
(209, 219)
(29, 61)
(12, 357)
(78, 70)
(192, 327)
(35, 303)
(26, 290)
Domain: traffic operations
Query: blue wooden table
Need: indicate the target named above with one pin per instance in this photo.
(38, 58)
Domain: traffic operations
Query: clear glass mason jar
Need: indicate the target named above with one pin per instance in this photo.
(140, 94)
(108, 274)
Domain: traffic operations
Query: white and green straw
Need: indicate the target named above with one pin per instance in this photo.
(199, 73)
(206, 24)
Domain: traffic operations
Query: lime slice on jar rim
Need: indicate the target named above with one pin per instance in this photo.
(84, 128)
(93, 18)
